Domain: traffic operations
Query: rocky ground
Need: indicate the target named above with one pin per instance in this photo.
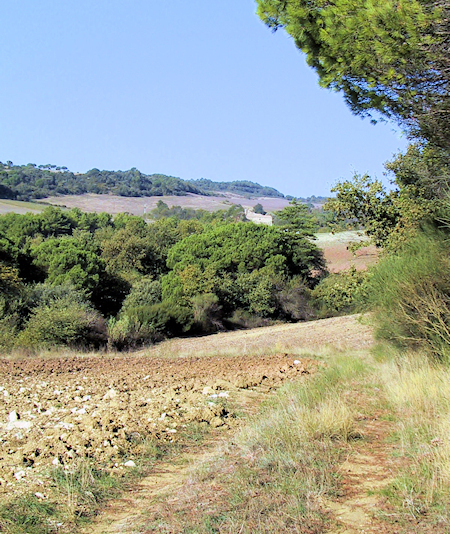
(54, 411)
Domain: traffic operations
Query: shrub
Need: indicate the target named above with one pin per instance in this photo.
(411, 295)
(145, 292)
(244, 319)
(8, 331)
(257, 291)
(258, 208)
(47, 294)
(128, 333)
(165, 318)
(207, 312)
(293, 301)
(343, 292)
(63, 322)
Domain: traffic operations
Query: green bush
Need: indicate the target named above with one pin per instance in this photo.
(344, 292)
(293, 301)
(128, 333)
(143, 293)
(8, 331)
(46, 294)
(166, 318)
(207, 312)
(244, 319)
(257, 290)
(63, 322)
(410, 293)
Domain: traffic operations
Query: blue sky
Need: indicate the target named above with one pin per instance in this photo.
(198, 89)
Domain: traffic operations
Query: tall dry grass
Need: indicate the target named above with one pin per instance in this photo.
(419, 392)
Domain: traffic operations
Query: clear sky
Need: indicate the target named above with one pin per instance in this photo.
(194, 89)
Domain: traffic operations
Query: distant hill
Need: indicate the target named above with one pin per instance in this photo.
(26, 182)
(240, 187)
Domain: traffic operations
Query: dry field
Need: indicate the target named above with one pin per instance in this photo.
(61, 408)
(16, 206)
(339, 257)
(141, 205)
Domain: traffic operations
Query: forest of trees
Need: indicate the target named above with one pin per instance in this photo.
(90, 280)
(26, 182)
(240, 187)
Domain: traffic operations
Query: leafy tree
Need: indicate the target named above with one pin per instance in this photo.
(297, 219)
(258, 208)
(241, 264)
(388, 217)
(73, 259)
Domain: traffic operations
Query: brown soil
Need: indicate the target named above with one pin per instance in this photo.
(368, 468)
(58, 410)
(340, 258)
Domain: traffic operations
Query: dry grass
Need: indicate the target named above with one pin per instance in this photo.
(342, 333)
(18, 206)
(140, 205)
(420, 395)
(272, 476)
(71, 496)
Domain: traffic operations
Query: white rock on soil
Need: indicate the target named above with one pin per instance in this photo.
(130, 463)
(19, 475)
(24, 425)
(111, 394)
(13, 417)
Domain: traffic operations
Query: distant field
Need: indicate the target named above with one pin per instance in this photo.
(339, 258)
(16, 206)
(140, 205)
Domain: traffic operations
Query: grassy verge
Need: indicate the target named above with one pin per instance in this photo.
(273, 475)
(75, 495)
(419, 392)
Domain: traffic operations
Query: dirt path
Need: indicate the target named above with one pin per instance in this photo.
(167, 479)
(368, 468)
(122, 515)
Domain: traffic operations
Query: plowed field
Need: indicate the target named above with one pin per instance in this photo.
(56, 410)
